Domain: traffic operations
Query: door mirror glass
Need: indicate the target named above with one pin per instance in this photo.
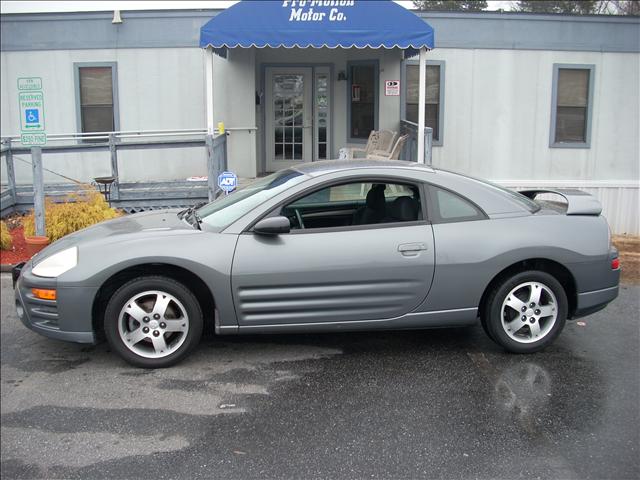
(272, 226)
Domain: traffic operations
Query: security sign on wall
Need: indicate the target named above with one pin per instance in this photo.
(392, 88)
(228, 182)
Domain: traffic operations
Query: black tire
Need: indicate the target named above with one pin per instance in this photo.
(492, 315)
(137, 286)
(485, 327)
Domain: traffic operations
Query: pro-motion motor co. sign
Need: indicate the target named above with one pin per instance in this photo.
(318, 10)
(316, 24)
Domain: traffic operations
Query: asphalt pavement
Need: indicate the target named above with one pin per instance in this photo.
(442, 403)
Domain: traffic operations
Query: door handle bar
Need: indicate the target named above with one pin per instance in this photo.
(411, 247)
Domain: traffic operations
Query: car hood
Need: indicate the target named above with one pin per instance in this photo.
(120, 229)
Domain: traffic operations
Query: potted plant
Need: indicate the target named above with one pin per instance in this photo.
(35, 243)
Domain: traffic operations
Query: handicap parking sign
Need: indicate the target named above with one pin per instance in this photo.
(31, 101)
(227, 181)
(32, 115)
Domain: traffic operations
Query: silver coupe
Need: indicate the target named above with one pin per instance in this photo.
(324, 247)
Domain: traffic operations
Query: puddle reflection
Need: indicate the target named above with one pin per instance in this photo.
(568, 394)
(523, 390)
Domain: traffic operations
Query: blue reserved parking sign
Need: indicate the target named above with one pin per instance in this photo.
(227, 181)
(32, 115)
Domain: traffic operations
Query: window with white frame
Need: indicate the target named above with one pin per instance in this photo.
(572, 104)
(96, 97)
(434, 97)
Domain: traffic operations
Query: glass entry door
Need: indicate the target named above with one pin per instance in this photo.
(289, 116)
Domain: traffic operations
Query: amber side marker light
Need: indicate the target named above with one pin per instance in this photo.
(615, 264)
(44, 294)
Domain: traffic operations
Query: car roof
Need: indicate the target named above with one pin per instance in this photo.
(315, 169)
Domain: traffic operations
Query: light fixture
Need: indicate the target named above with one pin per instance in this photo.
(342, 75)
(117, 19)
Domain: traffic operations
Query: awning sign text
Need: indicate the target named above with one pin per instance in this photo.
(303, 10)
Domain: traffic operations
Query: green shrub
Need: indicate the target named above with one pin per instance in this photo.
(79, 211)
(6, 241)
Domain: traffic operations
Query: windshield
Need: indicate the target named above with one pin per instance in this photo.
(224, 211)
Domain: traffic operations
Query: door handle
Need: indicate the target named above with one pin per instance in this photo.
(411, 249)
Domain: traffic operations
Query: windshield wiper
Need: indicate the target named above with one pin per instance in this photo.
(191, 214)
(196, 217)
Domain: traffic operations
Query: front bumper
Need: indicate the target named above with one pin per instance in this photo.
(67, 318)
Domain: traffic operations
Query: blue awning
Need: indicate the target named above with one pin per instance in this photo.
(317, 24)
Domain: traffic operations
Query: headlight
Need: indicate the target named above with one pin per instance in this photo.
(57, 264)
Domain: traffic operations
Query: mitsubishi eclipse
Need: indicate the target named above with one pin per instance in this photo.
(328, 246)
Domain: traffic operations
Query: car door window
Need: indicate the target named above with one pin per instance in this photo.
(449, 207)
(355, 204)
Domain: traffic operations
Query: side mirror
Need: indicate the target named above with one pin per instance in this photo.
(272, 226)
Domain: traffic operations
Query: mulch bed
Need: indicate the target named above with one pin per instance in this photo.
(629, 248)
(18, 253)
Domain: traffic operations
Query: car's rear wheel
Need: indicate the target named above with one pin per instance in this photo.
(526, 312)
(153, 322)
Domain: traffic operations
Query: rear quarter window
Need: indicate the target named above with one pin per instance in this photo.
(447, 207)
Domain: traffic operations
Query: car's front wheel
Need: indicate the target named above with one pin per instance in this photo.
(153, 322)
(526, 312)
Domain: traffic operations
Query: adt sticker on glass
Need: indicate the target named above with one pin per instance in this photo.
(227, 181)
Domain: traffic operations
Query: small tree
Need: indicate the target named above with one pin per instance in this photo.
(602, 7)
(451, 5)
(619, 7)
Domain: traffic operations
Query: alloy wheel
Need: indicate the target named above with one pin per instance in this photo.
(529, 312)
(153, 324)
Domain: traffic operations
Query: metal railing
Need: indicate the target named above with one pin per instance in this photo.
(410, 150)
(129, 134)
(136, 194)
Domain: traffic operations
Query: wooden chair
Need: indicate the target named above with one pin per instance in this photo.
(379, 140)
(393, 154)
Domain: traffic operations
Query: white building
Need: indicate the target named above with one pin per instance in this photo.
(525, 100)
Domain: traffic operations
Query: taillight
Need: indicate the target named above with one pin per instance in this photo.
(615, 264)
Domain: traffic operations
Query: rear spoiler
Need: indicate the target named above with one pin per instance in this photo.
(578, 202)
